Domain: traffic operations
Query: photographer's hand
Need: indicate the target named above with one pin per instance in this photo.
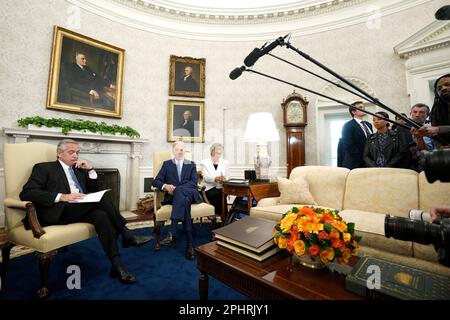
(436, 213)
(426, 130)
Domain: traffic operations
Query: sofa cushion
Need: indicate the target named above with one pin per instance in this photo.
(385, 190)
(295, 191)
(370, 226)
(425, 252)
(432, 194)
(326, 184)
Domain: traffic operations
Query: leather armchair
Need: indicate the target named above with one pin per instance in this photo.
(45, 241)
(163, 213)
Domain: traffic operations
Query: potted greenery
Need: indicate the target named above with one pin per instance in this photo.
(81, 125)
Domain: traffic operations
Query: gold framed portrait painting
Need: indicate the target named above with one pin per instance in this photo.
(86, 75)
(187, 77)
(186, 121)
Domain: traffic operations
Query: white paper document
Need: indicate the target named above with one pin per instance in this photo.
(92, 197)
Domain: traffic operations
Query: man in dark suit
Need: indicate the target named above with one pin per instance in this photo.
(186, 82)
(354, 136)
(55, 187)
(178, 178)
(81, 85)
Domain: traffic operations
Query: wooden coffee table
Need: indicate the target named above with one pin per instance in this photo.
(273, 279)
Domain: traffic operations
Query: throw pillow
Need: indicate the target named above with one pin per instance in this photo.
(295, 191)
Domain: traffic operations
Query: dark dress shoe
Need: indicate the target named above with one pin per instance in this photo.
(190, 253)
(135, 241)
(123, 275)
(169, 240)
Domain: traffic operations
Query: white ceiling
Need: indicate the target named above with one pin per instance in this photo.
(253, 20)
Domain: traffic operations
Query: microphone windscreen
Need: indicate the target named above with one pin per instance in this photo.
(443, 13)
(252, 57)
(235, 73)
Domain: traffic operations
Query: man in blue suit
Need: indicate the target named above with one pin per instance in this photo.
(178, 178)
(354, 136)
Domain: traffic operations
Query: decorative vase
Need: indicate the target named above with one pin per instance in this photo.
(309, 262)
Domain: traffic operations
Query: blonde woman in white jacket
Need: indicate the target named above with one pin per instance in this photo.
(214, 171)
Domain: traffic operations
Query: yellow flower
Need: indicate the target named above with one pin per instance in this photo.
(282, 242)
(341, 226)
(347, 236)
(327, 255)
(286, 223)
(299, 247)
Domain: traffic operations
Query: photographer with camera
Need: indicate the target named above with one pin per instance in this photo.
(440, 114)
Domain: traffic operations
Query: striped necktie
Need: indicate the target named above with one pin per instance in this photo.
(366, 128)
(179, 170)
(75, 180)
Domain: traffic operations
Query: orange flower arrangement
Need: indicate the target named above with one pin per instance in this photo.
(320, 233)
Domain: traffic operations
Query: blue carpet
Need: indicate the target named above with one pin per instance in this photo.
(163, 275)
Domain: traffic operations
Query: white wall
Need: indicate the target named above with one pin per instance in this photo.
(357, 51)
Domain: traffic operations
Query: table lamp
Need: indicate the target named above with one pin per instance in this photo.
(261, 129)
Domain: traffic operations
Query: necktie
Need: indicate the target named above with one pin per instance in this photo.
(75, 180)
(366, 128)
(179, 170)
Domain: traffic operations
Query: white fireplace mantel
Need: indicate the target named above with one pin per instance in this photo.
(105, 149)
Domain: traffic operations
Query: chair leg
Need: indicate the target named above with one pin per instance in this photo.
(157, 231)
(44, 260)
(6, 250)
(213, 226)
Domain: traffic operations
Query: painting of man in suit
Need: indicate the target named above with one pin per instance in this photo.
(187, 76)
(85, 75)
(186, 121)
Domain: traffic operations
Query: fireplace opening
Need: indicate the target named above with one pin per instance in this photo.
(109, 178)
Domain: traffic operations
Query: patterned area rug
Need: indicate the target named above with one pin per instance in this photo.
(135, 221)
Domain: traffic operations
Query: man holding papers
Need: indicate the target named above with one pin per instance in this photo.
(56, 187)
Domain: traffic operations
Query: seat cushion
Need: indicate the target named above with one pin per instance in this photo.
(275, 212)
(370, 226)
(55, 236)
(197, 211)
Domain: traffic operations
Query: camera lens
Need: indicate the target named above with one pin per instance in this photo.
(410, 230)
(436, 164)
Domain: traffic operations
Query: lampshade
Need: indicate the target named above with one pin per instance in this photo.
(261, 128)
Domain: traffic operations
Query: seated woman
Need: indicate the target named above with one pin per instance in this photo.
(386, 148)
(214, 171)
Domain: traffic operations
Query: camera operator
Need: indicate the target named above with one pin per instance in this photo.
(440, 114)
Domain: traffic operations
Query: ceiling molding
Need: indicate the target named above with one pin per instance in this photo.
(332, 90)
(300, 18)
(434, 36)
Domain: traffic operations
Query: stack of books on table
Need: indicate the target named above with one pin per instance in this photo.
(249, 236)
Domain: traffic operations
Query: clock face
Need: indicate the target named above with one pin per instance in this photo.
(294, 112)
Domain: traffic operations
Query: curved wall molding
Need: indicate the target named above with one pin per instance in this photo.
(304, 17)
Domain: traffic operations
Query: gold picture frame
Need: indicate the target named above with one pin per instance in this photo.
(86, 75)
(187, 77)
(186, 121)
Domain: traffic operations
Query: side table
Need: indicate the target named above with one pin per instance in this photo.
(251, 190)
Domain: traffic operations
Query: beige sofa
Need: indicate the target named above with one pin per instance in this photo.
(364, 197)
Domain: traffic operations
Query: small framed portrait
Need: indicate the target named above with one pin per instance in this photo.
(86, 75)
(186, 121)
(187, 77)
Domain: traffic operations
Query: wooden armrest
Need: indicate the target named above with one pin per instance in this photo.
(31, 214)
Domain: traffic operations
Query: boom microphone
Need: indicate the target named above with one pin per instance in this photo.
(236, 73)
(443, 13)
(252, 57)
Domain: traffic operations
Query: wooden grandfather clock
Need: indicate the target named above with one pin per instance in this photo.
(294, 120)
